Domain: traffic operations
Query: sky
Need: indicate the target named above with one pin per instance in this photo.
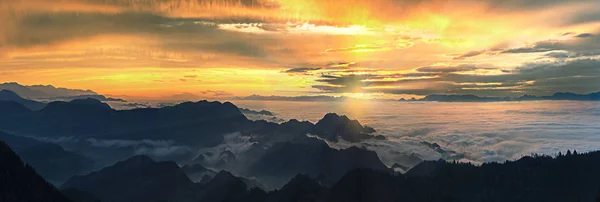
(357, 48)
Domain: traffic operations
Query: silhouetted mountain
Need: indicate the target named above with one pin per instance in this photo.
(136, 179)
(333, 126)
(140, 178)
(7, 95)
(226, 187)
(79, 196)
(446, 154)
(49, 160)
(261, 112)
(319, 98)
(217, 159)
(399, 168)
(367, 185)
(473, 98)
(80, 97)
(54, 163)
(314, 158)
(564, 96)
(43, 91)
(410, 160)
(12, 107)
(18, 143)
(463, 98)
(198, 173)
(20, 183)
(299, 188)
(201, 123)
(532, 179)
(270, 133)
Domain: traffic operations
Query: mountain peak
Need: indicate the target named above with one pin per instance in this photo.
(203, 109)
(138, 178)
(77, 105)
(9, 95)
(333, 126)
(139, 160)
(301, 180)
(223, 177)
(91, 102)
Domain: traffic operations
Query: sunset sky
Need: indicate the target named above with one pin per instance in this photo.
(359, 48)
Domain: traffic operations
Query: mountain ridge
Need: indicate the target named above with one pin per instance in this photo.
(473, 98)
(20, 183)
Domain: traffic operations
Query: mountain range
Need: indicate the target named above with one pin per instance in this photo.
(204, 125)
(232, 158)
(472, 98)
(10, 96)
(51, 93)
(92, 118)
(43, 91)
(570, 177)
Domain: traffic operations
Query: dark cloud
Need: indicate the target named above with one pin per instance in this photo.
(47, 28)
(307, 68)
(165, 5)
(399, 82)
(530, 4)
(360, 48)
(558, 55)
(301, 70)
(580, 45)
(535, 49)
(215, 93)
(584, 35)
(591, 16)
(567, 33)
(578, 76)
(469, 54)
(174, 34)
(447, 69)
(351, 81)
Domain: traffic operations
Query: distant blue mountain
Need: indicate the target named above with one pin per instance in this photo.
(50, 93)
(463, 98)
(50, 160)
(43, 91)
(564, 96)
(7, 95)
(474, 98)
(294, 98)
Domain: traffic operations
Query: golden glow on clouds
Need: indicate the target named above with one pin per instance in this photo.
(242, 48)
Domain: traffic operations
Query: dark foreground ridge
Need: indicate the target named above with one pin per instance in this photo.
(20, 183)
(545, 179)
(571, 177)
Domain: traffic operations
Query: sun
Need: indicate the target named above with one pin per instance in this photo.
(357, 95)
